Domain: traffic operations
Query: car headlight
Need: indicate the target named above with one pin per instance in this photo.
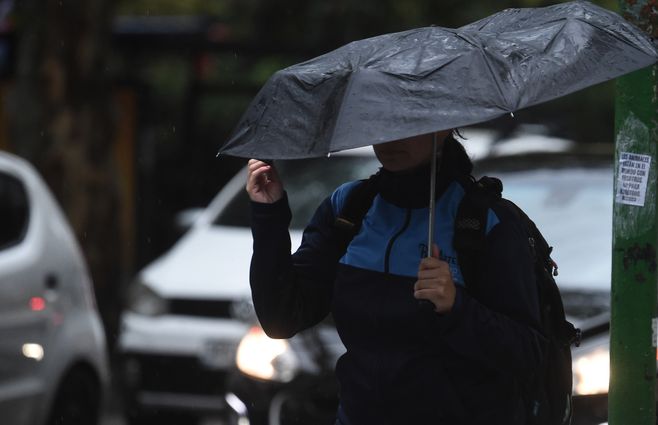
(265, 358)
(144, 300)
(591, 371)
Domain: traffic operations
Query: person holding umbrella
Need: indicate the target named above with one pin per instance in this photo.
(462, 361)
(466, 359)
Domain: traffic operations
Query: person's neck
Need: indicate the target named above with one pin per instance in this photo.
(407, 188)
(411, 170)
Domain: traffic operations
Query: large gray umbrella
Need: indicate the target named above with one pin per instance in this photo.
(414, 82)
(420, 81)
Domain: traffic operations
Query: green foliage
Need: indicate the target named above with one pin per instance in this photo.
(265, 67)
(167, 75)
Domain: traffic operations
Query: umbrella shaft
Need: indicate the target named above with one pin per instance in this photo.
(430, 235)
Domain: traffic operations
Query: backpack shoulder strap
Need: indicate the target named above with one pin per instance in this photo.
(469, 238)
(471, 223)
(357, 203)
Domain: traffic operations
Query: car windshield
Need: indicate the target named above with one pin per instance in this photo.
(572, 207)
(307, 183)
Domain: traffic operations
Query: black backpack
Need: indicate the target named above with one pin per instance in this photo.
(548, 393)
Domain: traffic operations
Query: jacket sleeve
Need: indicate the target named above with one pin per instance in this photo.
(497, 326)
(291, 292)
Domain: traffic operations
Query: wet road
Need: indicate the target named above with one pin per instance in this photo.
(113, 414)
(114, 417)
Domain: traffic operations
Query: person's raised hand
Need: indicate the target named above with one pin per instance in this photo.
(435, 282)
(263, 182)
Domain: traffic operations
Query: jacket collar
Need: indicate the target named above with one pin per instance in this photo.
(411, 188)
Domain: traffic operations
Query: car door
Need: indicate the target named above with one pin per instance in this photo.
(23, 309)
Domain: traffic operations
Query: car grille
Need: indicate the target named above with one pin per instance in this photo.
(177, 374)
(202, 308)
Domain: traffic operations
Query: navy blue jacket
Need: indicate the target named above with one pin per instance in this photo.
(404, 363)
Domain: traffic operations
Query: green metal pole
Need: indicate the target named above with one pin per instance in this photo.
(632, 395)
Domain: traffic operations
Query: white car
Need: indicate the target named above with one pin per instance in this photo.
(189, 309)
(53, 359)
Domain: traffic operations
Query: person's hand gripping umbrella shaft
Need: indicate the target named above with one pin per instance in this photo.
(435, 282)
(263, 182)
(435, 287)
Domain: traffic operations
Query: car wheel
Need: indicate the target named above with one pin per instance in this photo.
(77, 400)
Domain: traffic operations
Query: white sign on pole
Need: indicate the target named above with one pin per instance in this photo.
(632, 178)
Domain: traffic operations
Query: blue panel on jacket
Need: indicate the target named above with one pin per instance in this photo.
(385, 222)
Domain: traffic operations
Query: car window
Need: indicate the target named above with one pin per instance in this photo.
(307, 183)
(13, 211)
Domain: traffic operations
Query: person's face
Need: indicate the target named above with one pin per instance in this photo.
(405, 154)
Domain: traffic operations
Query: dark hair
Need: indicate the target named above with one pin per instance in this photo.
(455, 156)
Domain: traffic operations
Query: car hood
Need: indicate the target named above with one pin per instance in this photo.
(208, 262)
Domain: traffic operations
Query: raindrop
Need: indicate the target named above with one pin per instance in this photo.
(328, 154)
(173, 128)
(511, 114)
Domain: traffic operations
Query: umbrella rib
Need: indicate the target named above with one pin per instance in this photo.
(549, 45)
(594, 25)
(498, 84)
(613, 34)
(481, 49)
(467, 39)
(341, 111)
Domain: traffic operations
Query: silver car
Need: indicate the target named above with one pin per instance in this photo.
(53, 359)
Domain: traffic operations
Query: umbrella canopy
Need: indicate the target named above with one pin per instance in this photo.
(414, 82)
